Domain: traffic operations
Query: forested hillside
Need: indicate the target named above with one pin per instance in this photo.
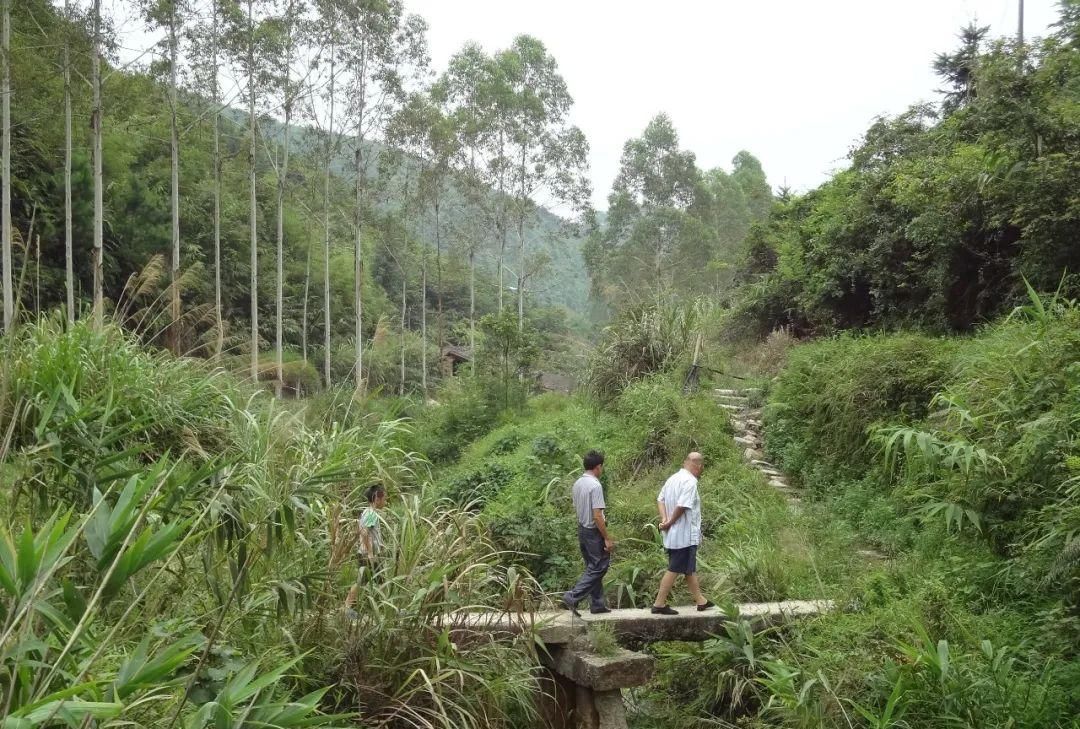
(944, 209)
(242, 488)
(437, 194)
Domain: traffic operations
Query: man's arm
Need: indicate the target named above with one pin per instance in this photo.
(675, 516)
(601, 522)
(684, 502)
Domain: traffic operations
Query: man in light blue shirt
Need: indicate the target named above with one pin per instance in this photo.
(679, 506)
(593, 538)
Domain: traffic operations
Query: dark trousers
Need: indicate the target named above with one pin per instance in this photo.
(597, 561)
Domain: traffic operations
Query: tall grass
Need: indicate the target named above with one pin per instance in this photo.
(960, 459)
(643, 341)
(175, 547)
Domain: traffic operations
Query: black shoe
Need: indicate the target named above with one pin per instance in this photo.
(572, 608)
(600, 610)
(706, 606)
(664, 611)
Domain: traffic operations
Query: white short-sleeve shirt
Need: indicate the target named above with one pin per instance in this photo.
(681, 490)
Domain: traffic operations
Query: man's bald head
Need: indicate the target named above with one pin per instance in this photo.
(694, 463)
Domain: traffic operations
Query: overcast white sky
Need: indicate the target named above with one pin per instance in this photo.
(793, 82)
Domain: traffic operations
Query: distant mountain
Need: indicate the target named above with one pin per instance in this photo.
(563, 282)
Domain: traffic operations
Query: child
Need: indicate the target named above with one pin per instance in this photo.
(370, 546)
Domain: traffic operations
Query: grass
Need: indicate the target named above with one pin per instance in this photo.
(602, 640)
(177, 546)
(953, 458)
(177, 543)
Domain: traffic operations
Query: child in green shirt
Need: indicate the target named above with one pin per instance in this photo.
(370, 545)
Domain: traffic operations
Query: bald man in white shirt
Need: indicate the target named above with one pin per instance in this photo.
(679, 506)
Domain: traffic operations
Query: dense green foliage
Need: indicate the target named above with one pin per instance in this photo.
(942, 212)
(178, 543)
(671, 230)
(177, 547)
(398, 223)
(518, 477)
(957, 458)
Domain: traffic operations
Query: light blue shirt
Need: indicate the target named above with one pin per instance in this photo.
(681, 490)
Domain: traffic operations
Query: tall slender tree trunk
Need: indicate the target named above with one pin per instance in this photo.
(99, 204)
(472, 308)
(520, 211)
(521, 273)
(404, 325)
(500, 221)
(358, 266)
(283, 174)
(361, 185)
(5, 163)
(304, 312)
(438, 277)
(174, 149)
(253, 211)
(69, 253)
(216, 92)
(423, 322)
(659, 273)
(330, 146)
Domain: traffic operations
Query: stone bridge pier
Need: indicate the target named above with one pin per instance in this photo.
(585, 688)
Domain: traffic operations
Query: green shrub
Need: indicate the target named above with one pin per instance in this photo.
(834, 391)
(183, 554)
(476, 488)
(958, 459)
(644, 341)
(467, 409)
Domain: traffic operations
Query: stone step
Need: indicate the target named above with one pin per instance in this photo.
(727, 392)
(752, 454)
(871, 554)
(771, 472)
(747, 442)
(764, 464)
(778, 484)
(734, 408)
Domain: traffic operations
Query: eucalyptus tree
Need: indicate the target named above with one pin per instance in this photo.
(425, 132)
(168, 16)
(549, 156)
(207, 42)
(69, 248)
(287, 27)
(382, 48)
(478, 95)
(97, 148)
(328, 23)
(465, 91)
(247, 43)
(419, 133)
(648, 213)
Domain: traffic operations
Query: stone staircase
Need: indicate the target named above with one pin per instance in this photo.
(746, 421)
